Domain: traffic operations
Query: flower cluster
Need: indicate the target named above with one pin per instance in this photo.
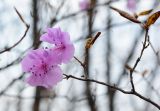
(43, 64)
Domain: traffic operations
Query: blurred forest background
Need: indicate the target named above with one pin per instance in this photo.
(108, 60)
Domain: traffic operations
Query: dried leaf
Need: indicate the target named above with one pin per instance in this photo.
(146, 12)
(90, 41)
(88, 44)
(152, 19)
(126, 15)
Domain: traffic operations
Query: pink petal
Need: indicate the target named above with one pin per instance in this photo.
(35, 57)
(46, 38)
(68, 53)
(64, 49)
(35, 80)
(53, 77)
(29, 60)
(52, 36)
(54, 57)
(48, 80)
(64, 54)
(65, 38)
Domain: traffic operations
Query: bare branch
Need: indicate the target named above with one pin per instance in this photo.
(115, 88)
(145, 45)
(27, 28)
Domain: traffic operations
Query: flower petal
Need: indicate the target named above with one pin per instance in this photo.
(30, 60)
(53, 77)
(52, 36)
(65, 38)
(36, 80)
(68, 53)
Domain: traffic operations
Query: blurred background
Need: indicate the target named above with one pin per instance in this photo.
(118, 46)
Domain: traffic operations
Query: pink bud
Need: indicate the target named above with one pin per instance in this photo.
(131, 5)
(84, 4)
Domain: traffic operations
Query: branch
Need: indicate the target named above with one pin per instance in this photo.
(54, 20)
(115, 88)
(145, 45)
(10, 84)
(27, 28)
(80, 62)
(15, 61)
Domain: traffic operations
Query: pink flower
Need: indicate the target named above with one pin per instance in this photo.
(84, 4)
(131, 5)
(63, 46)
(42, 66)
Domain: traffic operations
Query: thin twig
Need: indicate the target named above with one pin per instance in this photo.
(27, 28)
(55, 20)
(155, 52)
(145, 45)
(10, 84)
(82, 64)
(115, 88)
